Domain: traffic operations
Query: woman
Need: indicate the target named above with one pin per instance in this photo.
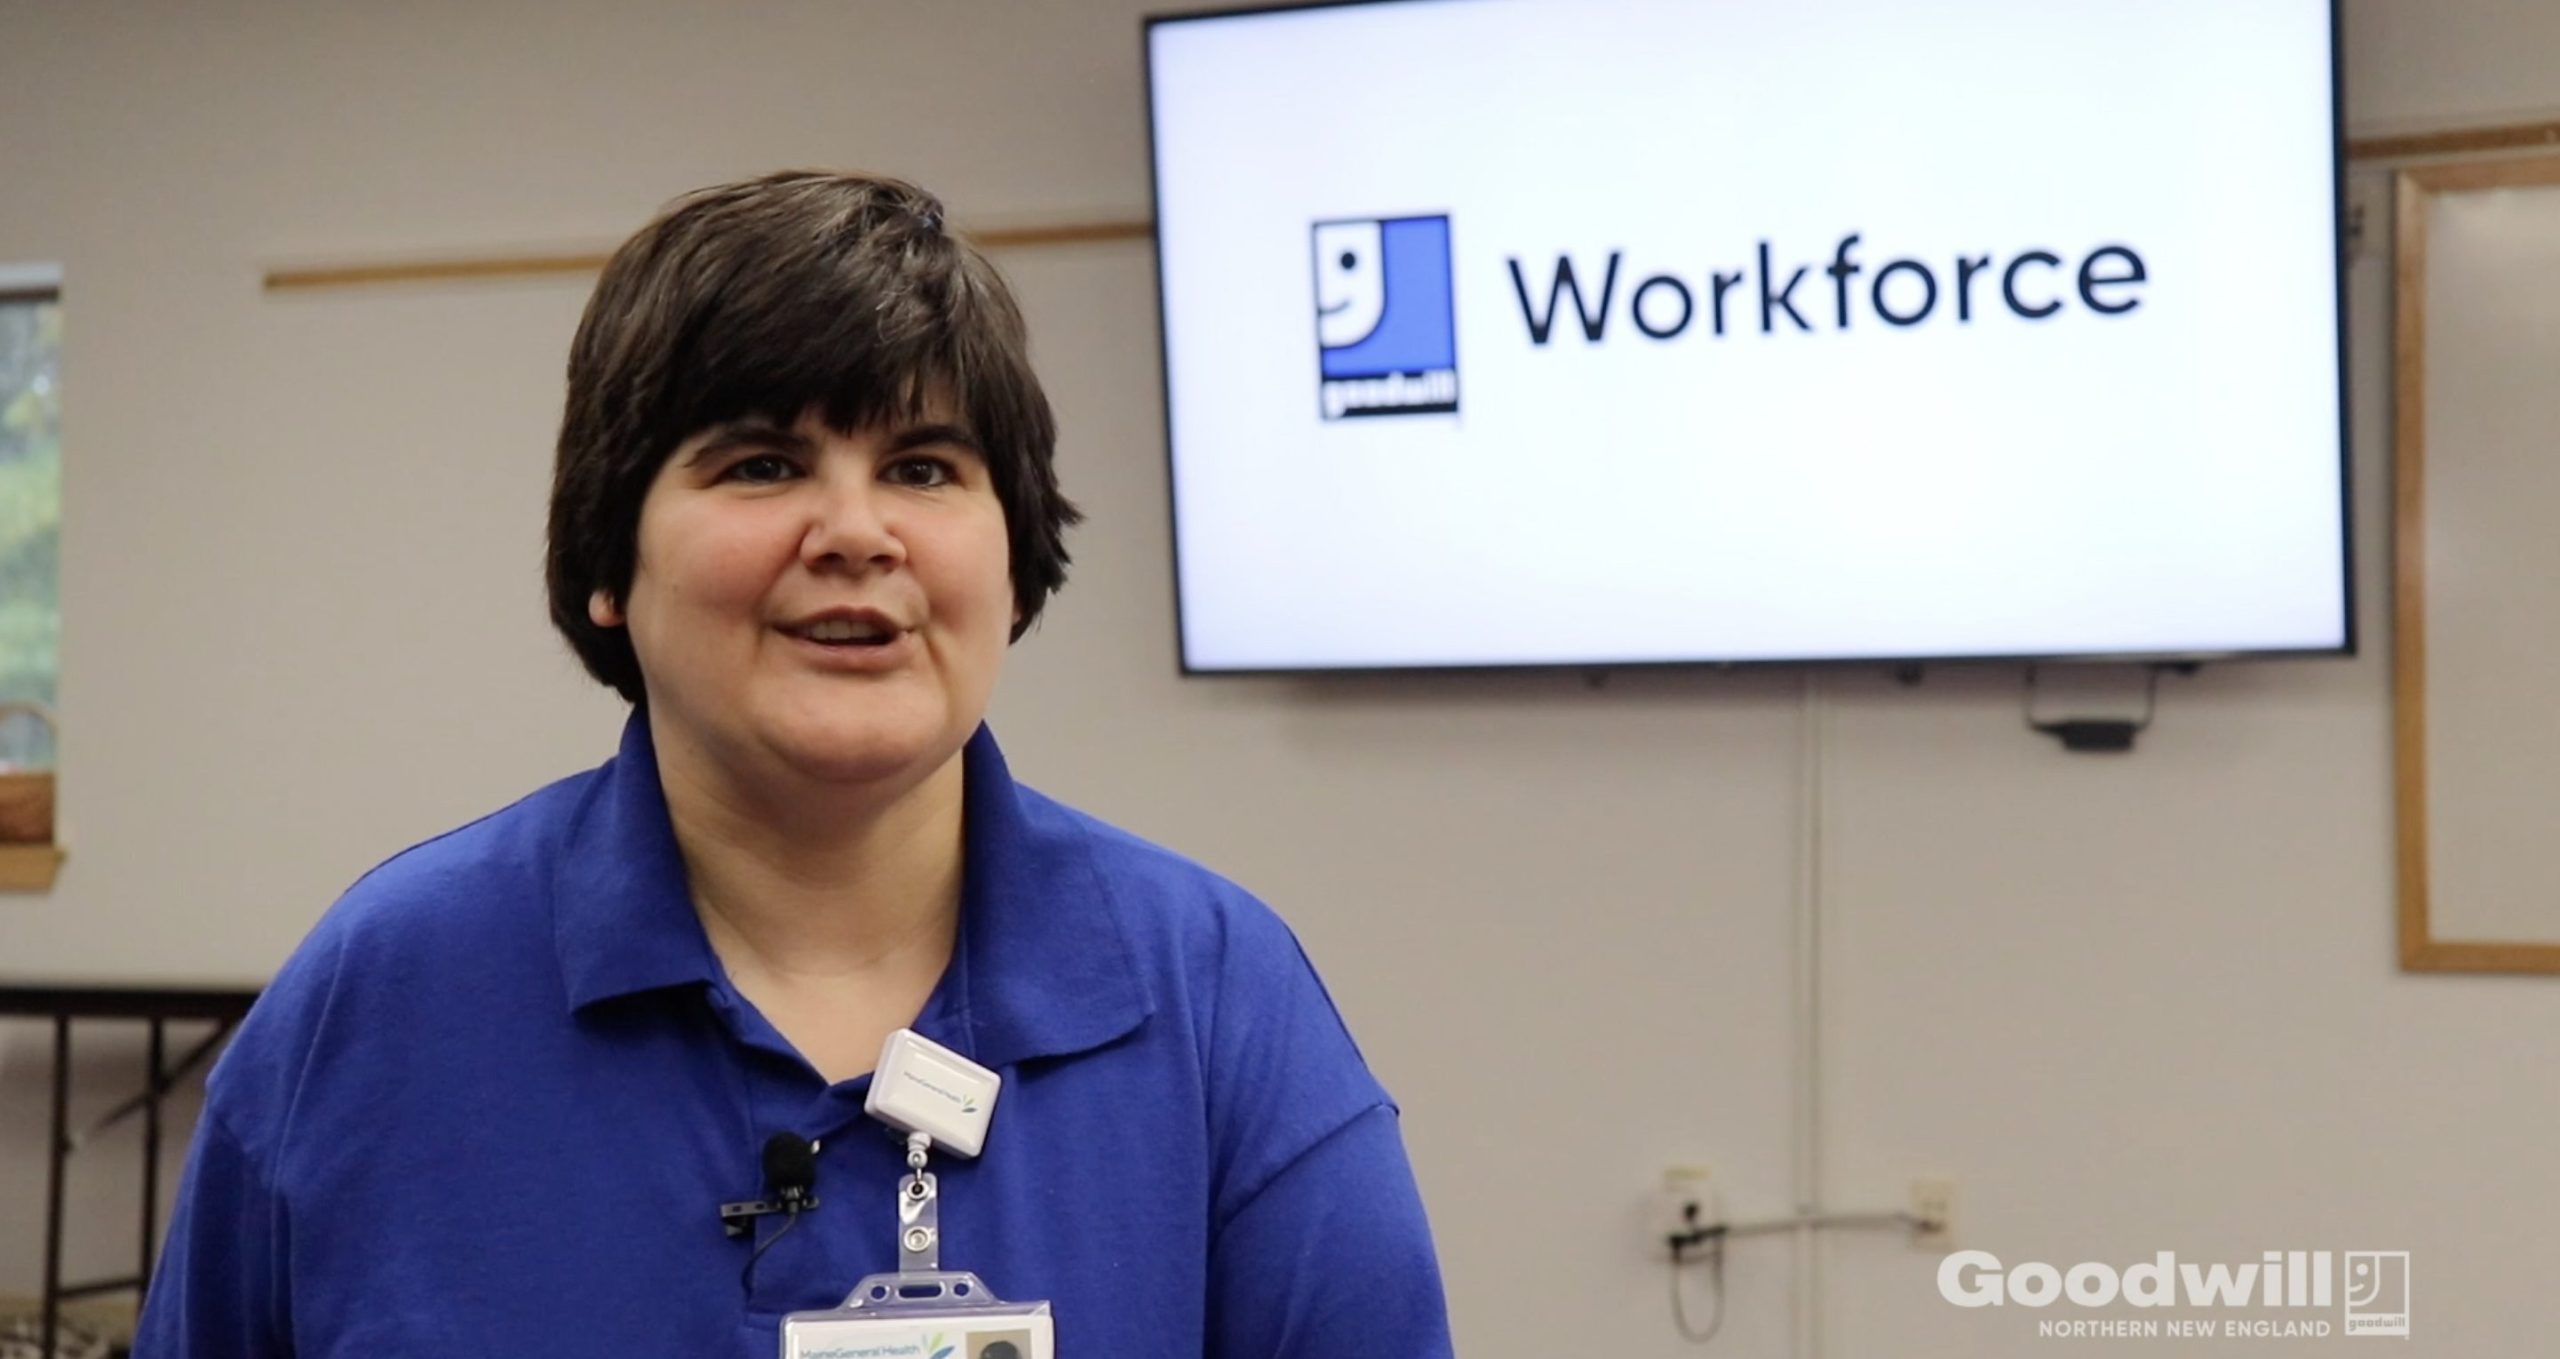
(803, 503)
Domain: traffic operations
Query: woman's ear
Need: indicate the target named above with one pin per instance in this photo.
(603, 611)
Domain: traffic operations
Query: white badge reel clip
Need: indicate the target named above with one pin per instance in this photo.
(938, 1098)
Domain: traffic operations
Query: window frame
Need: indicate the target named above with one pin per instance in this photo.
(28, 866)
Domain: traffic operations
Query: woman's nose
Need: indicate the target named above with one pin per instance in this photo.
(849, 525)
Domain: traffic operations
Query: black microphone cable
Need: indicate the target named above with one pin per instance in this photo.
(747, 1276)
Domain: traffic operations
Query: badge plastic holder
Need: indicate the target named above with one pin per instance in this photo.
(933, 1314)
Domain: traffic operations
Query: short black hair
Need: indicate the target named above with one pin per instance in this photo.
(843, 294)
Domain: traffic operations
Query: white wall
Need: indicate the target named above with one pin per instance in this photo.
(2129, 1005)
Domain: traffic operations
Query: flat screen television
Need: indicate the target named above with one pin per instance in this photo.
(1504, 333)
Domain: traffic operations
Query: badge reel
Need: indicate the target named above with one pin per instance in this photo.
(939, 1099)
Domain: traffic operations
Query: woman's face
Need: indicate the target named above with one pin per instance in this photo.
(818, 605)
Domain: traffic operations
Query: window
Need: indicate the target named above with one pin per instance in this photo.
(30, 507)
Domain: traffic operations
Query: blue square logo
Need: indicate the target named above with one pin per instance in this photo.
(1386, 321)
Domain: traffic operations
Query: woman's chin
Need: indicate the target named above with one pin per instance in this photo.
(866, 755)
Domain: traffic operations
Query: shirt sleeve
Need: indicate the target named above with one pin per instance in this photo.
(218, 1292)
(1332, 1257)
(1319, 1247)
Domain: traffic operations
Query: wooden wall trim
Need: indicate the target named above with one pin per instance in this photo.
(2420, 951)
(2408, 547)
(2464, 141)
(592, 261)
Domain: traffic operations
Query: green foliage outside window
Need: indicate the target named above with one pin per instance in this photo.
(30, 518)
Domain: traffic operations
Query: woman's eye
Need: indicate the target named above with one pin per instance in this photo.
(922, 472)
(760, 469)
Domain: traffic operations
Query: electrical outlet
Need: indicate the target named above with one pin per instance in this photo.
(1933, 1212)
(1687, 1203)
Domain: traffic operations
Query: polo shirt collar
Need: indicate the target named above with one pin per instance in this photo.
(1043, 967)
(1045, 957)
(622, 910)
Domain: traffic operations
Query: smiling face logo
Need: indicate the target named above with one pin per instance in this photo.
(1351, 283)
(2377, 1292)
(1386, 325)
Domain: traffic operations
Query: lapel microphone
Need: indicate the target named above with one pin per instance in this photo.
(790, 1185)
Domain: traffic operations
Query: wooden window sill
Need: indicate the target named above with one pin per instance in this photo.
(29, 868)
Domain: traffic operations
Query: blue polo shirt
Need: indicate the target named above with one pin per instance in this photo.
(493, 1103)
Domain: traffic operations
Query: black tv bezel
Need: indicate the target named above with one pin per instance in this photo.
(2349, 605)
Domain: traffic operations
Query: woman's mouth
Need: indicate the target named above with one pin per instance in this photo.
(848, 632)
(854, 641)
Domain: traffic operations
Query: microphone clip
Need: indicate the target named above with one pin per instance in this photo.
(738, 1219)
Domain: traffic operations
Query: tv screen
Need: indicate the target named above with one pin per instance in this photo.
(1608, 332)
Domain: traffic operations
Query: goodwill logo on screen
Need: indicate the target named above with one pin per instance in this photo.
(1386, 327)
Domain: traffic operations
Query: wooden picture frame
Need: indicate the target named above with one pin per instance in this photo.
(2428, 942)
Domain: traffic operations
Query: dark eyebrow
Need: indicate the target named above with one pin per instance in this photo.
(750, 432)
(922, 436)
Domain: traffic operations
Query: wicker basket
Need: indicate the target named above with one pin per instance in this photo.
(26, 795)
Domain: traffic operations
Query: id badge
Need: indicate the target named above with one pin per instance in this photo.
(939, 1314)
